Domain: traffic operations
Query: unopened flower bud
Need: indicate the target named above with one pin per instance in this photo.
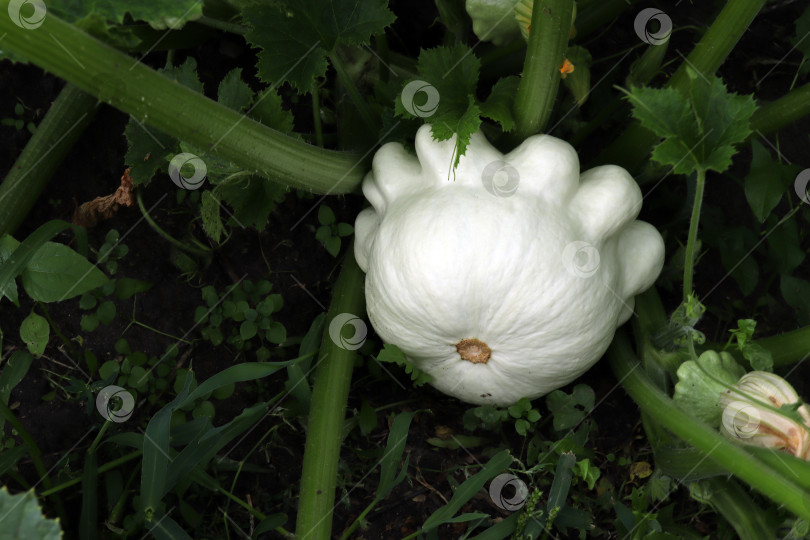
(753, 414)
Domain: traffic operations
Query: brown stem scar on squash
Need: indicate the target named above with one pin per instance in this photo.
(474, 350)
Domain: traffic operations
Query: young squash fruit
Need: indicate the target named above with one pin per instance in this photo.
(507, 277)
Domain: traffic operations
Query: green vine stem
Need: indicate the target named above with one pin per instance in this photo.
(359, 102)
(64, 122)
(316, 113)
(169, 238)
(782, 112)
(633, 145)
(689, 257)
(65, 341)
(223, 25)
(788, 348)
(330, 393)
(548, 41)
(359, 519)
(252, 510)
(162, 103)
(728, 498)
(711, 443)
(126, 458)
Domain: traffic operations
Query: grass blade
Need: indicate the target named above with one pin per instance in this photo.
(562, 481)
(247, 371)
(468, 489)
(202, 449)
(499, 530)
(165, 528)
(393, 454)
(88, 521)
(155, 465)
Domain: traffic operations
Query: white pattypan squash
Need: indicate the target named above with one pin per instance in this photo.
(507, 278)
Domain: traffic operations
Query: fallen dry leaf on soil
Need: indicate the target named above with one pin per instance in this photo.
(101, 208)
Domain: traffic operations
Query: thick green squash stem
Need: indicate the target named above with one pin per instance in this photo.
(548, 41)
(162, 103)
(64, 123)
(330, 393)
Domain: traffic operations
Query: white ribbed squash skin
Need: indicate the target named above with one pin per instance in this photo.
(447, 260)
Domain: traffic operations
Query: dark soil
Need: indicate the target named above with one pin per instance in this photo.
(303, 272)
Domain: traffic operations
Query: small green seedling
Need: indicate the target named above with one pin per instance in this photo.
(20, 120)
(252, 307)
(330, 232)
(490, 417)
(111, 252)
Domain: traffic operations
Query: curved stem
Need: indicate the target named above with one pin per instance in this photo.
(316, 113)
(104, 427)
(252, 510)
(359, 519)
(330, 393)
(360, 103)
(689, 257)
(712, 444)
(65, 121)
(223, 25)
(104, 468)
(169, 238)
(65, 341)
(548, 40)
(162, 103)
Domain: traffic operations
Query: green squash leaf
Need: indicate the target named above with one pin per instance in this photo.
(22, 517)
(701, 384)
(233, 92)
(700, 128)
(498, 106)
(766, 181)
(296, 37)
(451, 74)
